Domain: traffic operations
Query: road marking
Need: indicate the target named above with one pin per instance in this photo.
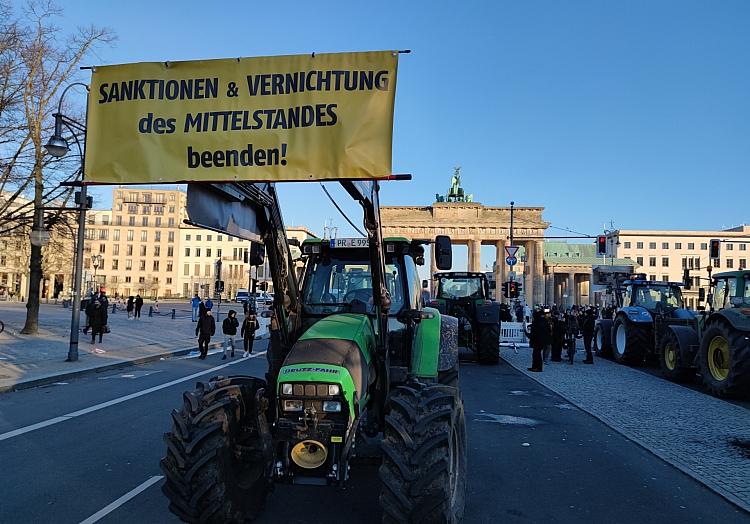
(119, 400)
(109, 508)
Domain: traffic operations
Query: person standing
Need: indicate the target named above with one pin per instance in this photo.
(130, 307)
(209, 304)
(587, 330)
(97, 319)
(138, 306)
(195, 303)
(205, 329)
(539, 335)
(558, 332)
(229, 327)
(249, 326)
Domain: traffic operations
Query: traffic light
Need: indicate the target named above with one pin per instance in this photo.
(219, 286)
(263, 286)
(514, 289)
(713, 248)
(601, 245)
(505, 289)
(686, 280)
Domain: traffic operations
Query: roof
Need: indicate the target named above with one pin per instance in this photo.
(737, 274)
(564, 254)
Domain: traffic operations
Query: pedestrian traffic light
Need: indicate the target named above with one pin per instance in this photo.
(505, 289)
(713, 248)
(601, 245)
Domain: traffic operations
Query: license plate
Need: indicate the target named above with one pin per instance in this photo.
(348, 242)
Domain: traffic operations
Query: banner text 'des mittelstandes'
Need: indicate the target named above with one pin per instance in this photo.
(302, 117)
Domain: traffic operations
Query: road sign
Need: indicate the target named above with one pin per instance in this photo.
(511, 251)
(511, 261)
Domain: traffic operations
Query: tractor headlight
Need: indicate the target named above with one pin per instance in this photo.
(332, 406)
(292, 405)
(333, 390)
(286, 389)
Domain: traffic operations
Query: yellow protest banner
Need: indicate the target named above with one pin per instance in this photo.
(301, 117)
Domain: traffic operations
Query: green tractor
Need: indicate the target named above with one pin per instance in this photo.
(351, 356)
(466, 296)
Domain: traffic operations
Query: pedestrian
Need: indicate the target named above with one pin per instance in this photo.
(209, 304)
(587, 329)
(156, 306)
(138, 306)
(558, 333)
(249, 326)
(539, 335)
(229, 327)
(130, 307)
(425, 297)
(205, 329)
(97, 318)
(195, 303)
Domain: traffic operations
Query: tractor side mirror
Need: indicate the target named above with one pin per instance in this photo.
(443, 252)
(293, 242)
(701, 294)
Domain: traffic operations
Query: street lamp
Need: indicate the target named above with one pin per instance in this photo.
(96, 261)
(57, 146)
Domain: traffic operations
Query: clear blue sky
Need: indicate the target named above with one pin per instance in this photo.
(549, 103)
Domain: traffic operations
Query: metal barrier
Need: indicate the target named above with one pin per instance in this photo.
(512, 333)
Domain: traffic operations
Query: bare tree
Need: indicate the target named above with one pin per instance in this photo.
(36, 64)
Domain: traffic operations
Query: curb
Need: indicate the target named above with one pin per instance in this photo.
(727, 495)
(43, 381)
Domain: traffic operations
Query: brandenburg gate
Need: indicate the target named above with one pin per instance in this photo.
(473, 224)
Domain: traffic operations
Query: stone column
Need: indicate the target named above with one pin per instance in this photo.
(538, 272)
(550, 298)
(528, 285)
(571, 289)
(475, 257)
(499, 270)
(591, 288)
(433, 270)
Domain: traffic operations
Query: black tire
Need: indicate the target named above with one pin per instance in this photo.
(636, 341)
(423, 472)
(736, 383)
(449, 377)
(601, 341)
(488, 344)
(672, 359)
(215, 467)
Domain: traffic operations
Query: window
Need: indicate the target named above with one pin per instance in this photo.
(131, 221)
(171, 197)
(665, 245)
(627, 245)
(169, 266)
(147, 197)
(197, 251)
(684, 262)
(691, 246)
(116, 249)
(208, 270)
(115, 263)
(87, 263)
(652, 261)
(171, 222)
(209, 237)
(198, 238)
(141, 280)
(118, 220)
(218, 252)
(116, 235)
(678, 245)
(128, 264)
(664, 261)
(157, 251)
(187, 237)
(230, 239)
(144, 221)
(158, 222)
(159, 198)
(146, 210)
(90, 234)
(143, 251)
(696, 263)
(743, 247)
(665, 278)
(170, 251)
(704, 246)
(118, 195)
(103, 234)
(638, 245)
(730, 263)
(142, 265)
(131, 233)
(187, 251)
(170, 236)
(105, 220)
(158, 210)
(144, 236)
(638, 260)
(743, 264)
(113, 278)
(208, 252)
(171, 209)
(197, 271)
(132, 209)
(102, 248)
(730, 247)
(717, 262)
(186, 269)
(652, 245)
(219, 238)
(169, 280)
(157, 236)
(652, 278)
(156, 265)
(127, 280)
(129, 250)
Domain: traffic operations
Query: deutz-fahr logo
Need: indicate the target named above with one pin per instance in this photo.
(310, 370)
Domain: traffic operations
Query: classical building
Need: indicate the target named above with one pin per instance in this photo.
(474, 225)
(663, 254)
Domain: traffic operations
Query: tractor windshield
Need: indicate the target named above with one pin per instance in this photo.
(333, 283)
(657, 297)
(454, 287)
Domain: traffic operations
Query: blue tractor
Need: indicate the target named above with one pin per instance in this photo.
(645, 313)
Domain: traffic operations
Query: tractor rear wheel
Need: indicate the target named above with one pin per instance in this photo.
(671, 359)
(488, 344)
(215, 467)
(630, 341)
(449, 377)
(423, 472)
(602, 344)
(725, 360)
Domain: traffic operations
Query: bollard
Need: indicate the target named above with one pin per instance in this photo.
(114, 308)
(173, 312)
(150, 311)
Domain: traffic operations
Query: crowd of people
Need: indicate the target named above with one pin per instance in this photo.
(553, 330)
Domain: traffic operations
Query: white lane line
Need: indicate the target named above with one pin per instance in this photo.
(119, 400)
(109, 508)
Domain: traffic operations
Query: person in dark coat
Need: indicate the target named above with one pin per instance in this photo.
(229, 327)
(130, 307)
(587, 330)
(138, 306)
(249, 326)
(97, 319)
(539, 338)
(558, 334)
(205, 329)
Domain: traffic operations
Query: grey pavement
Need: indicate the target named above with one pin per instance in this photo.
(28, 360)
(706, 437)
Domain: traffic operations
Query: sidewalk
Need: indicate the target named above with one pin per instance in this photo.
(32, 360)
(705, 437)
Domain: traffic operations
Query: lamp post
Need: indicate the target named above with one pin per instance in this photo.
(96, 261)
(57, 146)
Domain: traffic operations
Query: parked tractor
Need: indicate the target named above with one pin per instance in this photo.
(466, 297)
(354, 356)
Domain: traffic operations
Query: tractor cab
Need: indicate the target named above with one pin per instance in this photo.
(653, 296)
(731, 290)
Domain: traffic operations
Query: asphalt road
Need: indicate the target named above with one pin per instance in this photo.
(532, 457)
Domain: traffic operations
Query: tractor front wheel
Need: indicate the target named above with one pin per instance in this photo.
(725, 360)
(423, 472)
(488, 344)
(215, 467)
(629, 341)
(671, 359)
